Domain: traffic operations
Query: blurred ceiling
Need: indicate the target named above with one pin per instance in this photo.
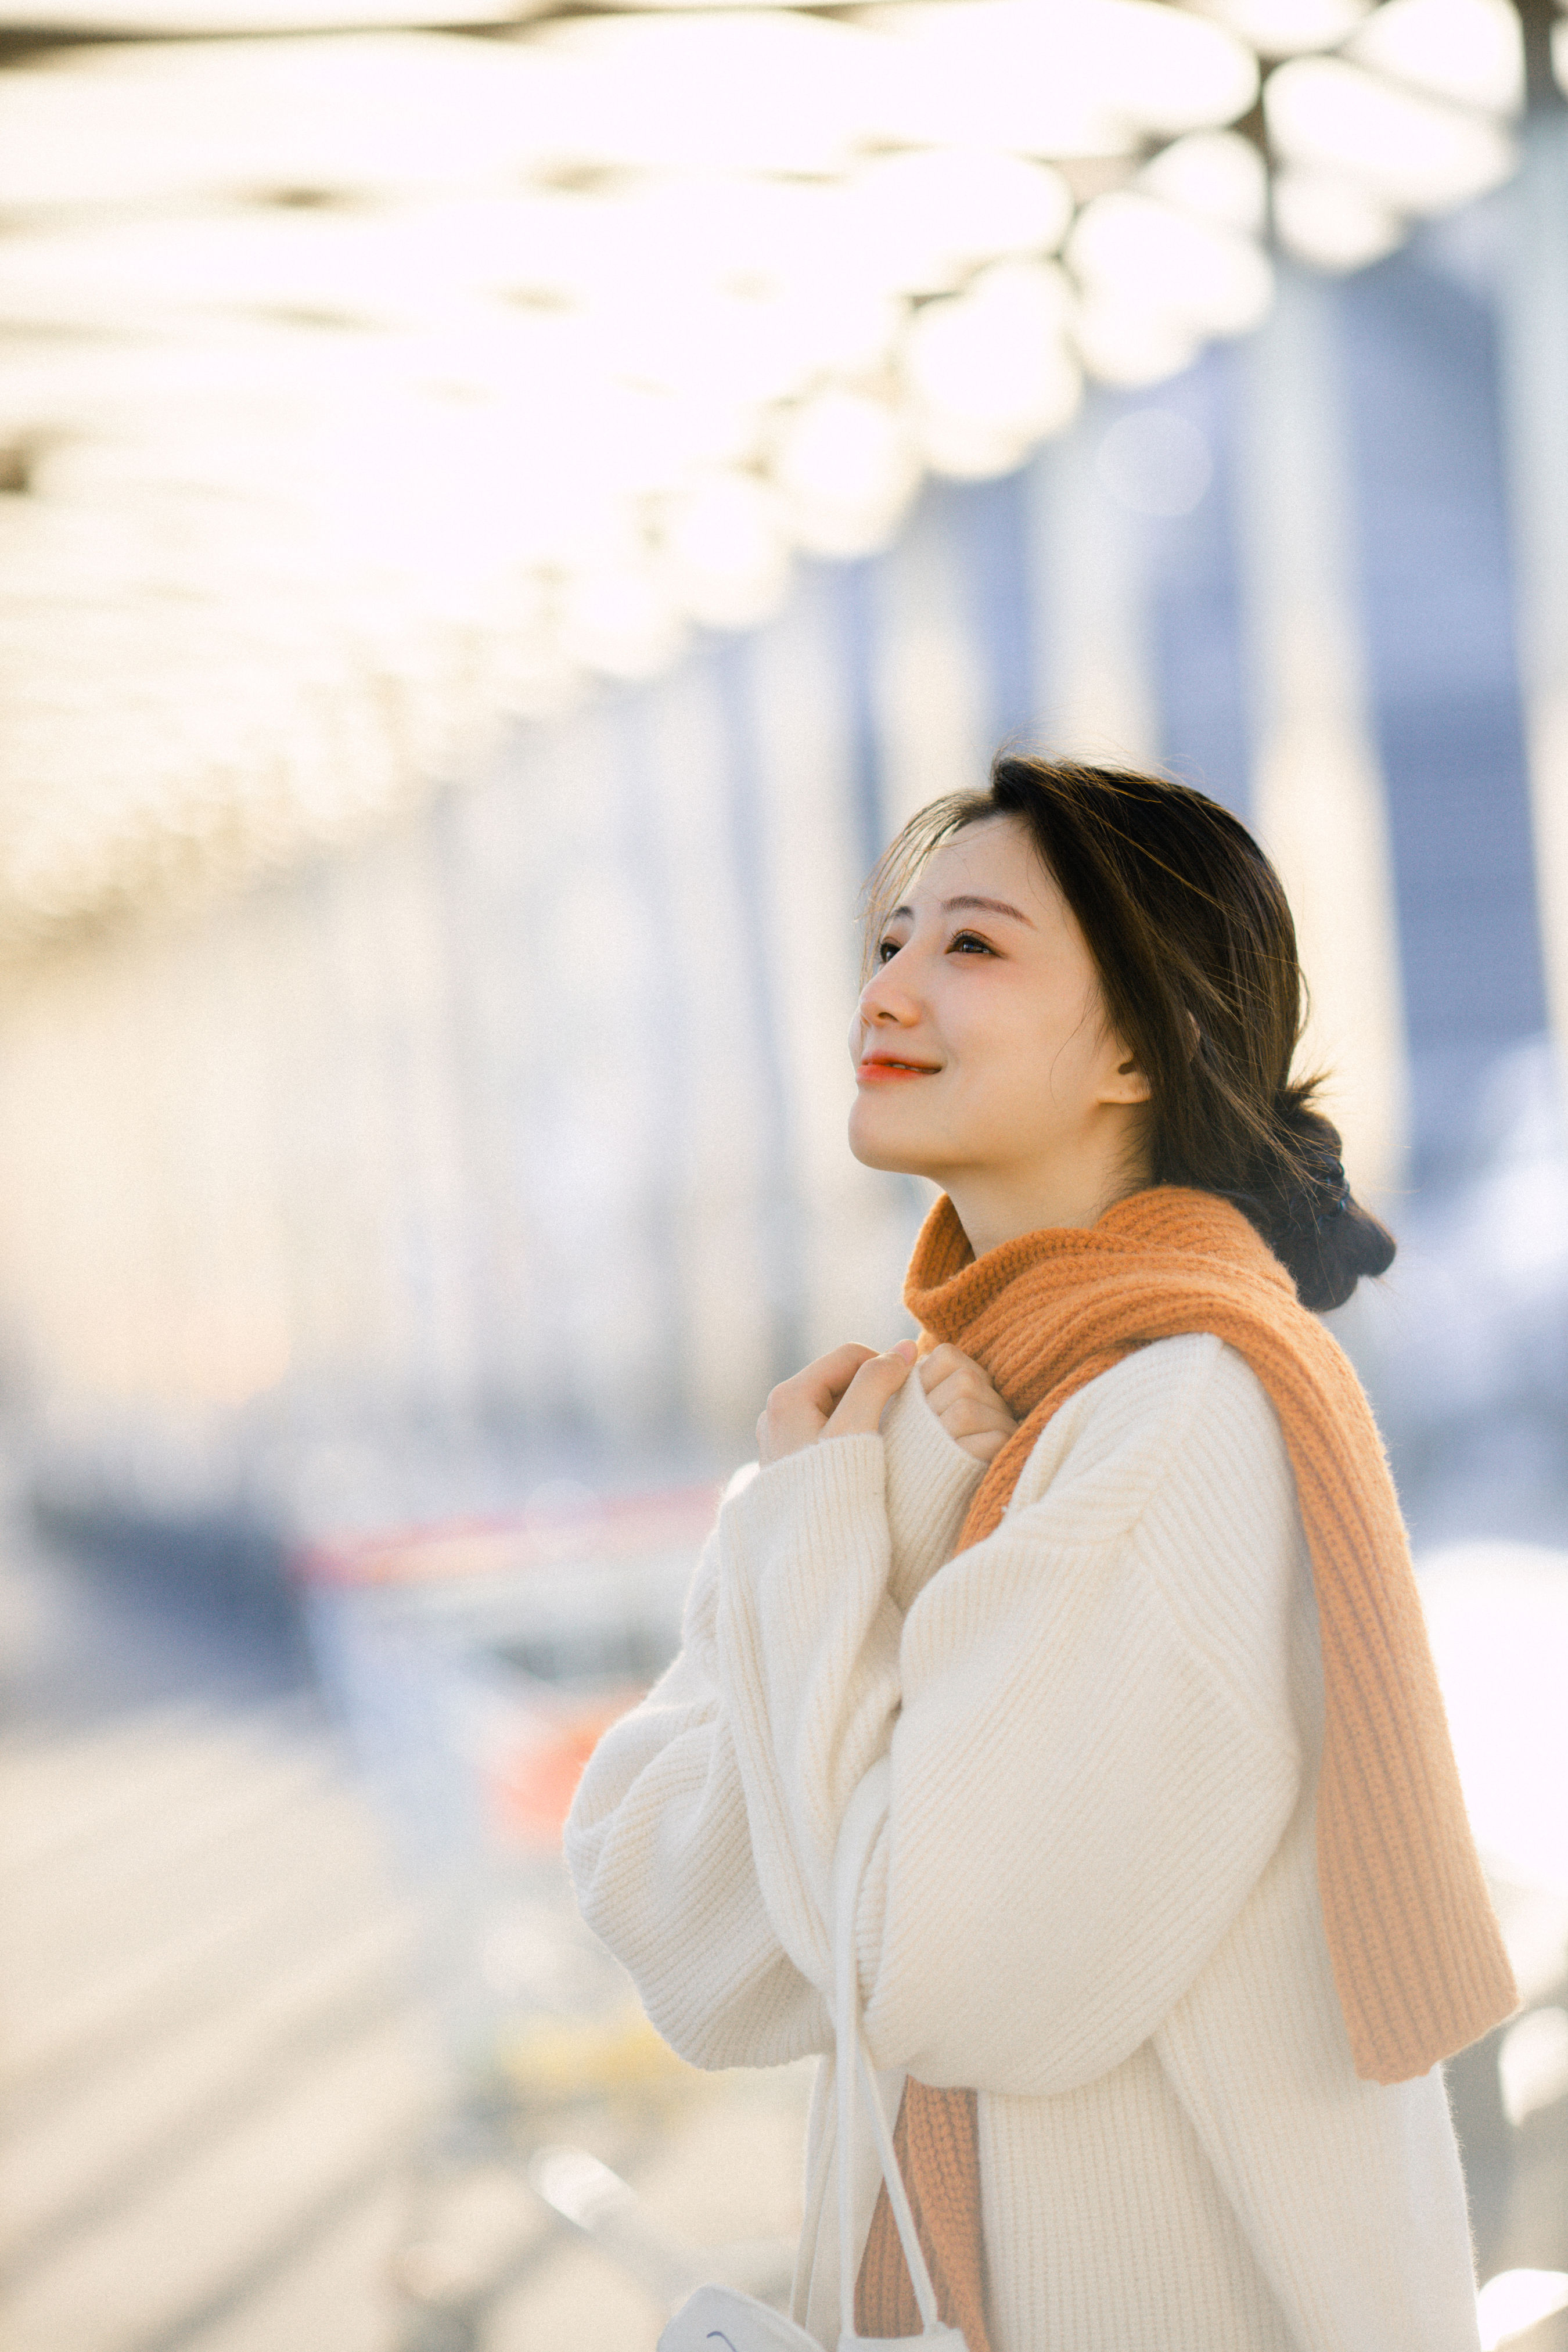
(377, 372)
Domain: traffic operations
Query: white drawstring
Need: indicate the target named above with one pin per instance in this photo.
(862, 1819)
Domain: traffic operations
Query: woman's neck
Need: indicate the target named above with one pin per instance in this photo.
(995, 1206)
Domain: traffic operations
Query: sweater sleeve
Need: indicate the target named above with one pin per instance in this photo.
(659, 1851)
(930, 1482)
(1088, 1718)
(659, 1843)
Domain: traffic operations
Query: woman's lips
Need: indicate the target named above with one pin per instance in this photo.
(883, 1074)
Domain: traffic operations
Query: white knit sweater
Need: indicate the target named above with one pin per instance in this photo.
(1094, 1898)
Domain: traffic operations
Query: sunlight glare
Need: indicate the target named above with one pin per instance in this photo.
(1515, 2301)
(1533, 2063)
(1498, 1614)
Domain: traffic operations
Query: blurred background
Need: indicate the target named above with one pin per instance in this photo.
(502, 513)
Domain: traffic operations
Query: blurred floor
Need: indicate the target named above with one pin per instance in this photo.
(226, 2128)
(220, 2093)
(212, 2068)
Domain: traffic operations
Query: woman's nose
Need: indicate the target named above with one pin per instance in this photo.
(887, 999)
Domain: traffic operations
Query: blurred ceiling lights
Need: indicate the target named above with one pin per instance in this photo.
(366, 390)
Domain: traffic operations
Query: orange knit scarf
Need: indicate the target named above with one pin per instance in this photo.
(1417, 1957)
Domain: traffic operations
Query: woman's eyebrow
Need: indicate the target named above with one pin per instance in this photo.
(951, 906)
(993, 906)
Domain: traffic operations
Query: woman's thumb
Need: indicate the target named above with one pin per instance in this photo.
(888, 1373)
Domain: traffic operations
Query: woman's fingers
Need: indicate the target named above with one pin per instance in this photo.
(859, 1412)
(824, 1381)
(798, 1411)
(981, 1424)
(962, 1396)
(846, 1392)
(965, 1391)
(942, 1362)
(985, 1445)
(966, 1404)
(961, 1415)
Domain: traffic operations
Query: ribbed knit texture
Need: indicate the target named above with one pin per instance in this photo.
(1417, 1957)
(1096, 1899)
(1418, 1954)
(937, 2143)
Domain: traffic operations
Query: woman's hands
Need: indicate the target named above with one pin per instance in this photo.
(961, 1395)
(846, 1394)
(841, 1395)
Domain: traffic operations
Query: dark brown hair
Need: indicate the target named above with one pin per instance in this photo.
(1193, 940)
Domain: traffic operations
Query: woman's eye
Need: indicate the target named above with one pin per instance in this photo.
(886, 950)
(971, 942)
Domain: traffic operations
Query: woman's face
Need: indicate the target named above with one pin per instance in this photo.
(983, 1055)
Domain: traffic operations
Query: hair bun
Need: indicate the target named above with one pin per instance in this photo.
(1301, 1203)
(1311, 1157)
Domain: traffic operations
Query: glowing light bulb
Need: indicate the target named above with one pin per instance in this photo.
(1471, 52)
(1410, 151)
(1286, 28)
(992, 371)
(420, 377)
(1205, 280)
(846, 468)
(1122, 341)
(917, 221)
(1216, 174)
(1331, 223)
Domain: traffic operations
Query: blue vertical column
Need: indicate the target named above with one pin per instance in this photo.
(984, 531)
(1317, 802)
(852, 589)
(1421, 377)
(1093, 687)
(990, 525)
(778, 1202)
(663, 1034)
(1534, 318)
(1193, 587)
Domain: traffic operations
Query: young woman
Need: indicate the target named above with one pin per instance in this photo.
(1173, 1912)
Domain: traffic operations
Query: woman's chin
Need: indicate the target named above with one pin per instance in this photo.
(875, 1141)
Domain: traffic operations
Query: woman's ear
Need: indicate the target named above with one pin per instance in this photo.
(1126, 1083)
